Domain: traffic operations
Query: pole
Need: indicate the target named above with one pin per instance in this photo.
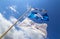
(14, 24)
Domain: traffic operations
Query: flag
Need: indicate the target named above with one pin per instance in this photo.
(37, 16)
(33, 21)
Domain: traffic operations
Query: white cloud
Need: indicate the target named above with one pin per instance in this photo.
(23, 33)
(4, 24)
(13, 8)
(13, 19)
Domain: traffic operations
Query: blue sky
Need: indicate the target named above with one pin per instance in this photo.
(52, 6)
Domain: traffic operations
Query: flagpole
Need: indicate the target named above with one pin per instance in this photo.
(14, 24)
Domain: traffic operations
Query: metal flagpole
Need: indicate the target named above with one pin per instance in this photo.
(14, 24)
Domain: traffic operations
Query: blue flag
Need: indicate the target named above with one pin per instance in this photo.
(38, 17)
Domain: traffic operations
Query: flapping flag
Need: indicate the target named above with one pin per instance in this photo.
(38, 15)
(33, 21)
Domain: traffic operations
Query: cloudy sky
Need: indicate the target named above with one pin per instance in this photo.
(11, 10)
(18, 32)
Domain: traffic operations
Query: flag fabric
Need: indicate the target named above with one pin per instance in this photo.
(41, 28)
(33, 20)
(45, 17)
(38, 16)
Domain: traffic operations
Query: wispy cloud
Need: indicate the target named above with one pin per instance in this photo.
(13, 8)
(13, 19)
